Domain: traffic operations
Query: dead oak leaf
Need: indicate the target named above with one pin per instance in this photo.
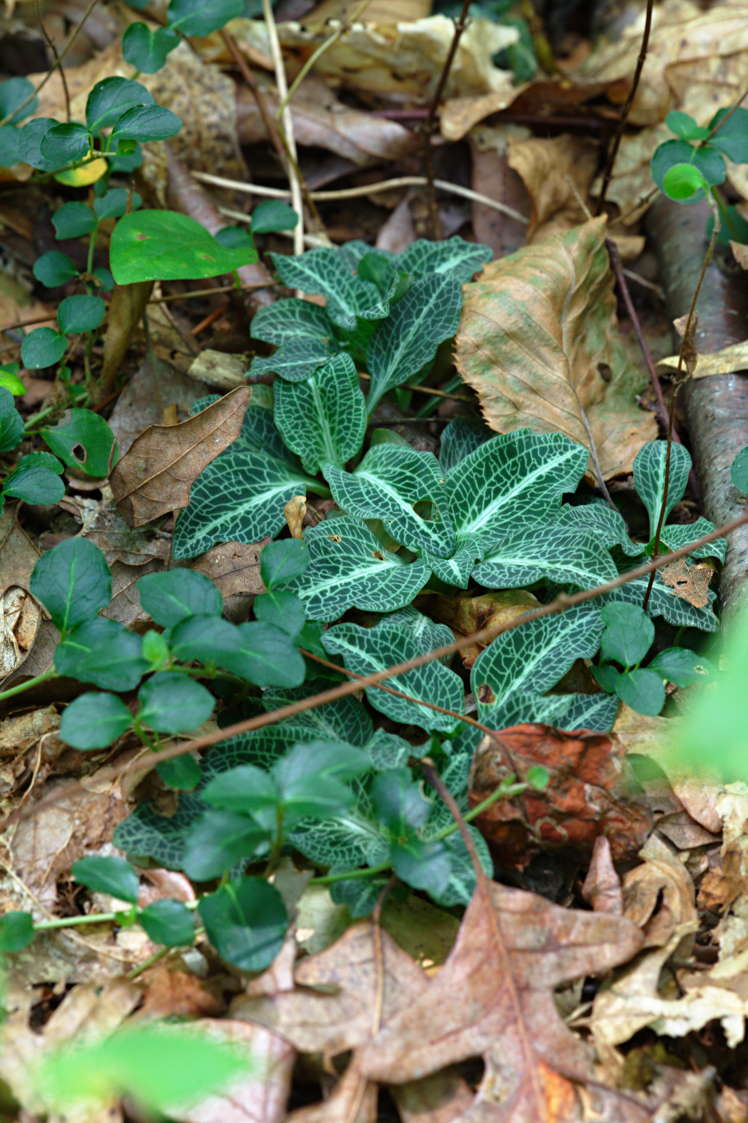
(689, 582)
(156, 474)
(494, 997)
(539, 343)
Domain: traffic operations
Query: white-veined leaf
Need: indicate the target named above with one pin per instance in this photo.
(563, 711)
(453, 257)
(561, 555)
(457, 569)
(324, 417)
(428, 314)
(649, 478)
(665, 602)
(460, 438)
(387, 485)
(602, 522)
(350, 569)
(534, 656)
(325, 271)
(365, 650)
(514, 479)
(239, 497)
(303, 333)
(674, 536)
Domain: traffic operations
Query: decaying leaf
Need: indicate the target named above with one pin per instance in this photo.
(557, 173)
(730, 360)
(539, 343)
(689, 581)
(466, 615)
(493, 997)
(585, 797)
(156, 474)
(234, 567)
(20, 615)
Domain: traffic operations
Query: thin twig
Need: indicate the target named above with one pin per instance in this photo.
(433, 777)
(365, 189)
(343, 26)
(723, 120)
(623, 116)
(286, 121)
(56, 58)
(562, 603)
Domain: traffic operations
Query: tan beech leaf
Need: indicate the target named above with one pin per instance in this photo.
(539, 343)
(494, 997)
(729, 360)
(156, 474)
(557, 172)
(689, 582)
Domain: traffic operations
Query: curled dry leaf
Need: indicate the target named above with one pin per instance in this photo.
(466, 615)
(494, 998)
(20, 615)
(156, 475)
(602, 885)
(585, 797)
(539, 342)
(689, 581)
(557, 172)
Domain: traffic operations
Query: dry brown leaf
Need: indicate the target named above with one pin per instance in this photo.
(729, 360)
(465, 614)
(602, 885)
(494, 997)
(377, 11)
(539, 342)
(156, 474)
(126, 309)
(557, 173)
(20, 615)
(295, 512)
(234, 567)
(690, 582)
(219, 369)
(493, 177)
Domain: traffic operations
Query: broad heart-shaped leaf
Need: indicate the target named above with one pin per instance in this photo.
(453, 258)
(536, 329)
(324, 271)
(388, 484)
(510, 480)
(533, 1061)
(239, 497)
(350, 569)
(549, 552)
(322, 419)
(73, 582)
(428, 314)
(650, 475)
(534, 656)
(304, 335)
(365, 650)
(154, 245)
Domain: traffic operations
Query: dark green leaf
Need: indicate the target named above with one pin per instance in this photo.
(11, 422)
(684, 126)
(42, 348)
(193, 17)
(218, 841)
(93, 721)
(66, 144)
(423, 865)
(246, 790)
(310, 778)
(206, 638)
(282, 610)
(739, 471)
(246, 921)
(281, 562)
(628, 634)
(113, 204)
(677, 152)
(156, 245)
(643, 690)
(681, 666)
(731, 138)
(178, 593)
(73, 582)
(16, 928)
(36, 479)
(54, 268)
(171, 702)
(112, 97)
(183, 773)
(146, 48)
(606, 676)
(398, 802)
(30, 139)
(13, 93)
(73, 220)
(233, 237)
(84, 441)
(109, 875)
(10, 146)
(267, 656)
(169, 923)
(146, 122)
(272, 215)
(80, 313)
(103, 652)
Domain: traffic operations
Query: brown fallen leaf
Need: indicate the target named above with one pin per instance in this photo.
(539, 342)
(557, 172)
(466, 615)
(20, 615)
(494, 997)
(585, 797)
(234, 567)
(729, 360)
(493, 177)
(689, 581)
(156, 474)
(602, 885)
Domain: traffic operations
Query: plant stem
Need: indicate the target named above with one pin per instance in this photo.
(46, 676)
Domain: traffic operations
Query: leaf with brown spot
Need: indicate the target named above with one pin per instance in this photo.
(494, 997)
(156, 474)
(539, 343)
(689, 581)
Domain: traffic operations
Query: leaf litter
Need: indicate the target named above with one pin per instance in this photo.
(540, 343)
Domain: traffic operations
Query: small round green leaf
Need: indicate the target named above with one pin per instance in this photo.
(13, 93)
(739, 471)
(272, 215)
(183, 773)
(171, 702)
(642, 690)
(107, 874)
(178, 593)
(84, 441)
(246, 922)
(10, 146)
(281, 562)
(80, 313)
(16, 930)
(194, 17)
(628, 634)
(113, 204)
(683, 183)
(11, 422)
(155, 245)
(9, 379)
(146, 122)
(234, 238)
(684, 126)
(103, 652)
(218, 840)
(112, 97)
(168, 922)
(43, 347)
(731, 138)
(681, 666)
(155, 648)
(282, 610)
(36, 479)
(94, 720)
(66, 144)
(146, 48)
(54, 268)
(73, 582)
(73, 220)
